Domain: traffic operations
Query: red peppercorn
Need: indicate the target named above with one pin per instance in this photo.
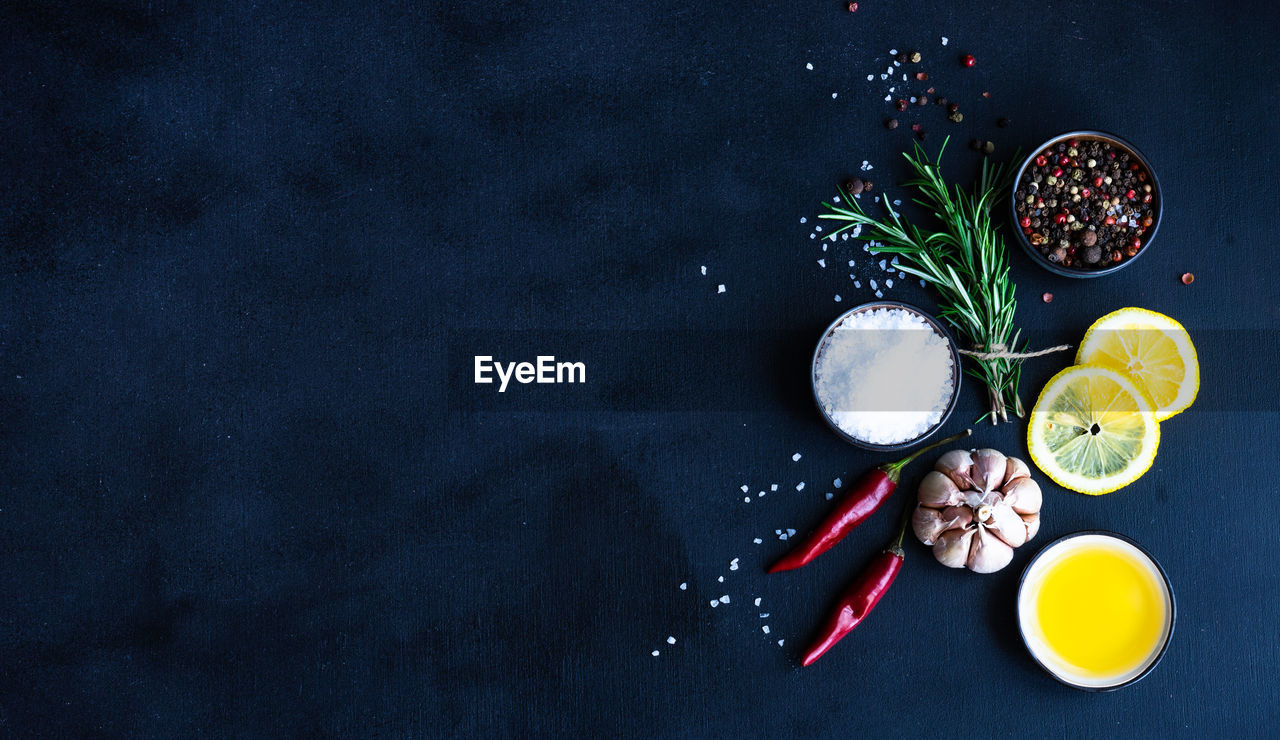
(1061, 218)
(968, 60)
(1188, 278)
(1130, 194)
(1073, 142)
(1136, 243)
(1142, 177)
(1146, 198)
(1111, 155)
(1057, 172)
(1109, 220)
(1047, 297)
(1147, 221)
(1097, 182)
(1025, 222)
(853, 7)
(900, 104)
(1086, 193)
(1041, 161)
(1134, 166)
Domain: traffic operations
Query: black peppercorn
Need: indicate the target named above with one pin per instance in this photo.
(891, 124)
(866, 185)
(854, 186)
(976, 145)
(1002, 122)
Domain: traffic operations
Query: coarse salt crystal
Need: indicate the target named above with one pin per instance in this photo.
(744, 488)
(808, 65)
(781, 642)
(873, 284)
(764, 615)
(945, 40)
(671, 640)
(765, 629)
(857, 283)
(833, 95)
(893, 52)
(870, 77)
(724, 599)
(795, 457)
(715, 603)
(757, 540)
(773, 486)
(803, 219)
(746, 499)
(888, 283)
(720, 579)
(884, 376)
(760, 495)
(720, 288)
(704, 269)
(757, 601)
(879, 294)
(837, 483)
(830, 496)
(684, 586)
(655, 653)
(800, 486)
(791, 533)
(837, 297)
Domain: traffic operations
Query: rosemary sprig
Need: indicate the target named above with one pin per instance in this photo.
(964, 260)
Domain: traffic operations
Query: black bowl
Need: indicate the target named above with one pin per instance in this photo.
(1148, 236)
(1164, 646)
(956, 374)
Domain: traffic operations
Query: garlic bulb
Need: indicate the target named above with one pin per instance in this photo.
(975, 507)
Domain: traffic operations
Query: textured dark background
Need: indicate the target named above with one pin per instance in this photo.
(250, 249)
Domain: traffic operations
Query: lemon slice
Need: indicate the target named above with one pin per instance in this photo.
(1093, 430)
(1152, 348)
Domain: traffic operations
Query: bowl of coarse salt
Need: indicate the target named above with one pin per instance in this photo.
(886, 375)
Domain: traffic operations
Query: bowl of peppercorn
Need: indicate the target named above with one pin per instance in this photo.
(1086, 204)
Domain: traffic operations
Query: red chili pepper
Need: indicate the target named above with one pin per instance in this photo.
(863, 594)
(862, 500)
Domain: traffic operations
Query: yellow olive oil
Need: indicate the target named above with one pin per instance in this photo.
(1096, 610)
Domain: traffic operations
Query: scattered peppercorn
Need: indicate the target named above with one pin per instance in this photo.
(1077, 203)
(915, 57)
(989, 147)
(1188, 278)
(891, 124)
(922, 100)
(853, 7)
(953, 107)
(976, 145)
(956, 117)
(986, 94)
(922, 76)
(900, 104)
(901, 58)
(968, 60)
(854, 186)
(1002, 122)
(941, 101)
(866, 185)
(920, 134)
(1047, 298)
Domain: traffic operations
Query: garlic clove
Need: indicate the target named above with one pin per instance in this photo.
(988, 553)
(1032, 521)
(1024, 495)
(989, 468)
(937, 490)
(1007, 525)
(928, 524)
(956, 465)
(1015, 469)
(957, 517)
(952, 548)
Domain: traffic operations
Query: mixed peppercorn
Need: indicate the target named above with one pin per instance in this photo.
(1086, 204)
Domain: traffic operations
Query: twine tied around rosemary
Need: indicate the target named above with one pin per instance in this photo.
(1001, 352)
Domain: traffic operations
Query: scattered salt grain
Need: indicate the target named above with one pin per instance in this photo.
(791, 533)
(764, 615)
(888, 283)
(873, 284)
(795, 457)
(720, 579)
(851, 263)
(671, 640)
(837, 483)
(655, 653)
(800, 486)
(885, 360)
(720, 288)
(893, 52)
(808, 65)
(757, 601)
(944, 40)
(744, 488)
(803, 219)
(765, 629)
(724, 599)
(746, 499)
(715, 603)
(830, 496)
(757, 540)
(781, 643)
(837, 297)
(684, 586)
(760, 495)
(870, 77)
(857, 283)
(879, 294)
(833, 95)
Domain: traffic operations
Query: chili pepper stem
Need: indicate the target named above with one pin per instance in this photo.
(908, 507)
(894, 470)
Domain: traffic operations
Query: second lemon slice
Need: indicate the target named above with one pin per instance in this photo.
(1093, 430)
(1152, 348)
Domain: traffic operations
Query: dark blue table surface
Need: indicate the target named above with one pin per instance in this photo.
(250, 250)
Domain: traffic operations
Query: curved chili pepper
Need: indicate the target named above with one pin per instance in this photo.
(862, 500)
(863, 594)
